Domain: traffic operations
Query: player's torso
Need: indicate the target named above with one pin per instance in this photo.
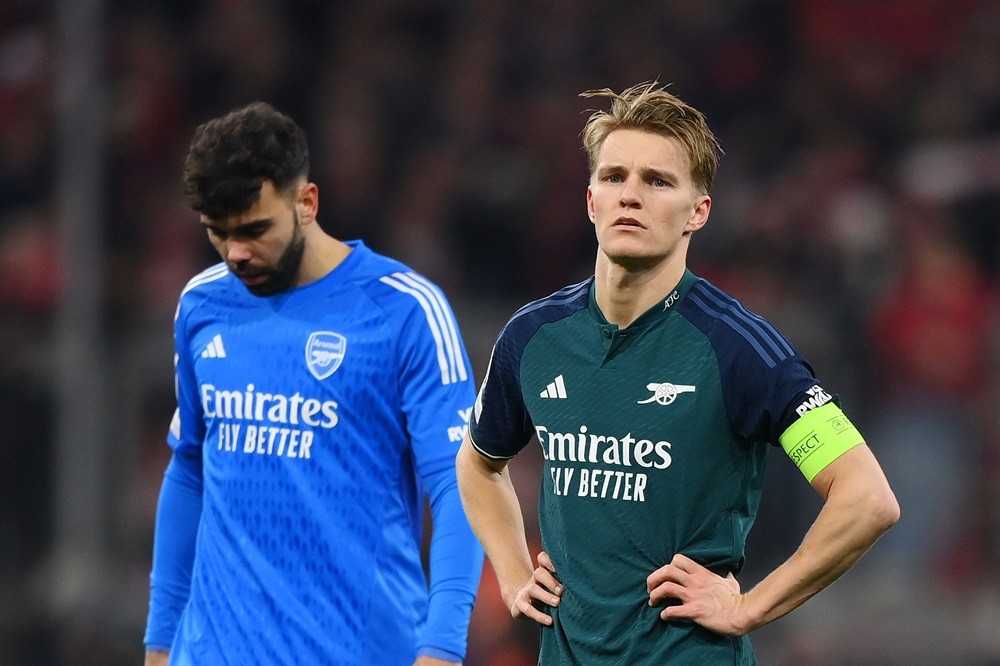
(292, 388)
(633, 428)
(310, 487)
(640, 463)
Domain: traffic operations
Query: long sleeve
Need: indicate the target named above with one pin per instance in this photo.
(456, 561)
(177, 517)
(437, 394)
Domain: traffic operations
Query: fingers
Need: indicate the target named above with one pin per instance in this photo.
(545, 561)
(694, 592)
(677, 580)
(685, 563)
(678, 571)
(544, 575)
(543, 589)
(528, 599)
(524, 608)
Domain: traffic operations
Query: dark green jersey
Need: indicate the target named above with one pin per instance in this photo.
(654, 439)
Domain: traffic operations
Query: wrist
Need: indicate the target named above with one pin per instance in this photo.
(747, 617)
(511, 584)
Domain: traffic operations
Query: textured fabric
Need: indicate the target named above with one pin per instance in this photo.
(655, 439)
(322, 417)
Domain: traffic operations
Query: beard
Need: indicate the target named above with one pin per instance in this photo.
(282, 276)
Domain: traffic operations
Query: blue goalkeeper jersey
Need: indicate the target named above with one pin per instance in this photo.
(310, 426)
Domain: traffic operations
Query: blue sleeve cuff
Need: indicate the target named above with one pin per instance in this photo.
(439, 654)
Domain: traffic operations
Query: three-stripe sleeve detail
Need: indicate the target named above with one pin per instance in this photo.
(561, 297)
(439, 320)
(765, 340)
(208, 275)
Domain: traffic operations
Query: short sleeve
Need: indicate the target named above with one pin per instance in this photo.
(500, 425)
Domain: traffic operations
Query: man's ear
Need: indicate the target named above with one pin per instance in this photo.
(590, 206)
(699, 216)
(307, 203)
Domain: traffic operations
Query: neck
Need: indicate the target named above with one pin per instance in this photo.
(624, 293)
(323, 253)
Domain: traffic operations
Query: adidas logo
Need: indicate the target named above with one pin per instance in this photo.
(557, 389)
(215, 348)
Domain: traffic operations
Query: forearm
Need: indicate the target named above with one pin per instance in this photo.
(859, 508)
(456, 563)
(177, 517)
(495, 516)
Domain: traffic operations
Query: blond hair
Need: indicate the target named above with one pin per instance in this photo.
(648, 107)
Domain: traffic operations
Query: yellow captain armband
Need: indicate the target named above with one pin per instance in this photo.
(819, 437)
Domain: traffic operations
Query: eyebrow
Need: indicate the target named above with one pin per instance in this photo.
(645, 171)
(240, 228)
(664, 174)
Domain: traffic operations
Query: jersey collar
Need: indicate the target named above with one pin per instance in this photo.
(661, 310)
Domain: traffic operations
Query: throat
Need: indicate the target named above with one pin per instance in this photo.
(623, 295)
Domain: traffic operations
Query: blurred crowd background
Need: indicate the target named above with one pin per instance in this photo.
(857, 207)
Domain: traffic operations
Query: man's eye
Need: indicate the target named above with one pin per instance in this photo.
(659, 182)
(215, 233)
(614, 178)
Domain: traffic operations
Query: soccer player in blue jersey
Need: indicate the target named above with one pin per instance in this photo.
(322, 393)
(655, 397)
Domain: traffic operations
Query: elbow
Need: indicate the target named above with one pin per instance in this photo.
(892, 512)
(883, 511)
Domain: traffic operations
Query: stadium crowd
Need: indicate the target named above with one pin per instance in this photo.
(857, 207)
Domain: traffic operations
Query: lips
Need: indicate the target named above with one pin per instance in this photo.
(254, 280)
(251, 279)
(627, 222)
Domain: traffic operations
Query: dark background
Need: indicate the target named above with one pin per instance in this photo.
(857, 207)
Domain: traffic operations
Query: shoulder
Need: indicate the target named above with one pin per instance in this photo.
(526, 321)
(206, 281)
(396, 288)
(202, 287)
(416, 311)
(405, 297)
(732, 329)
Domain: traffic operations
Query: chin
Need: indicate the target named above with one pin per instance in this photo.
(631, 257)
(269, 288)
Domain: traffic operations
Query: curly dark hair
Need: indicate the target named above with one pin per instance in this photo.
(230, 157)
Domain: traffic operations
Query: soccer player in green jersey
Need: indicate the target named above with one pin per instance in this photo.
(655, 397)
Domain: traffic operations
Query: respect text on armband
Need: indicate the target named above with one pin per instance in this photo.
(256, 422)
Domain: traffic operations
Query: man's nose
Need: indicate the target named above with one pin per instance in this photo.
(237, 251)
(630, 197)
